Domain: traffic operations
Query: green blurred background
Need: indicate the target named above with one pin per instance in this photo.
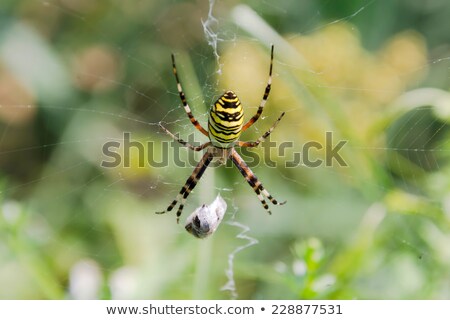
(75, 74)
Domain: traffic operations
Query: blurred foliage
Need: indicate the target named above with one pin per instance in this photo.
(75, 75)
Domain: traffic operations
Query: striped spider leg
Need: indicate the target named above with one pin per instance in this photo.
(190, 184)
(255, 143)
(248, 174)
(253, 181)
(184, 101)
(265, 96)
(184, 143)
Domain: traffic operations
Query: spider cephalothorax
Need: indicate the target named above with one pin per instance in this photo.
(225, 125)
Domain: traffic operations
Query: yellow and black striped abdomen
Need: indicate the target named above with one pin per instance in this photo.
(225, 120)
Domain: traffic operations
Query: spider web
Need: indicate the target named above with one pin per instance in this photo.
(53, 189)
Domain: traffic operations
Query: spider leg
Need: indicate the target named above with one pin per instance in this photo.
(253, 181)
(264, 99)
(184, 101)
(262, 138)
(184, 143)
(190, 184)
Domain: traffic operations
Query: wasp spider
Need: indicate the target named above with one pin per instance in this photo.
(225, 125)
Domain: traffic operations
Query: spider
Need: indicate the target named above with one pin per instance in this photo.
(225, 125)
